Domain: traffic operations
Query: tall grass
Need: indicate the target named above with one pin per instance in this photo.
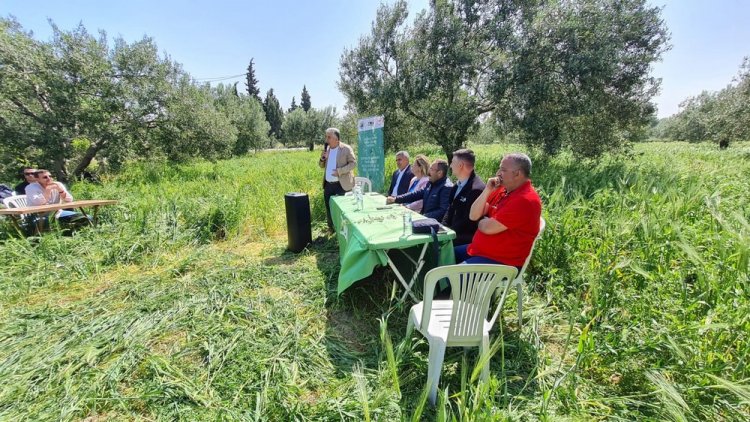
(183, 303)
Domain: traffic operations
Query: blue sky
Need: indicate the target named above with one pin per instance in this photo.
(298, 43)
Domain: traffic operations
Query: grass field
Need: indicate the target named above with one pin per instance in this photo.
(184, 304)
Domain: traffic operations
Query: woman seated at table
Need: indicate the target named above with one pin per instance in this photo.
(420, 168)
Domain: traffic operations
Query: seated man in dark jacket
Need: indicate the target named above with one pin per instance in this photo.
(28, 178)
(467, 189)
(436, 195)
(402, 176)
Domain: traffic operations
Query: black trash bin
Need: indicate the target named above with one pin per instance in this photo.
(298, 220)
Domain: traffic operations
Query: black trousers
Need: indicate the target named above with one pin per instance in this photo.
(329, 190)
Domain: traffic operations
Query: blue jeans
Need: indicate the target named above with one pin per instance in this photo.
(463, 257)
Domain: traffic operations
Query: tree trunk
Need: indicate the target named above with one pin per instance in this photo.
(59, 169)
(87, 158)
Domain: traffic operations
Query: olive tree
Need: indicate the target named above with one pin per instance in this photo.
(565, 74)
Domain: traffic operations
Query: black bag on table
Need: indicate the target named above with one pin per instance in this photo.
(428, 226)
(425, 226)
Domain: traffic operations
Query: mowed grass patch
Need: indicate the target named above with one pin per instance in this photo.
(185, 304)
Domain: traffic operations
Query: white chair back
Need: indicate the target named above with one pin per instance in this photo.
(362, 182)
(461, 320)
(15, 201)
(542, 226)
(518, 282)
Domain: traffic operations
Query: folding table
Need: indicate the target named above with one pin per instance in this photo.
(16, 213)
(366, 236)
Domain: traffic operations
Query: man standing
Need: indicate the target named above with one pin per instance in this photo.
(435, 195)
(28, 176)
(467, 189)
(508, 211)
(338, 161)
(402, 176)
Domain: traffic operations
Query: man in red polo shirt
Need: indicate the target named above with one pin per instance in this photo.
(508, 212)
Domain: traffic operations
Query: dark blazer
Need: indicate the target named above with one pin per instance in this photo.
(403, 187)
(457, 216)
(436, 197)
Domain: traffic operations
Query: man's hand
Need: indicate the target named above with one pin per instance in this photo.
(389, 200)
(324, 155)
(493, 183)
(335, 173)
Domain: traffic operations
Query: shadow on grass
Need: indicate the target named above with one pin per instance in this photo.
(352, 318)
(353, 335)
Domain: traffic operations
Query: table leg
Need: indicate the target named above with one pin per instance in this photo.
(86, 215)
(419, 263)
(418, 268)
(16, 223)
(401, 279)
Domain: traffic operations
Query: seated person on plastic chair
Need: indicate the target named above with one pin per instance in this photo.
(508, 211)
(467, 189)
(435, 196)
(28, 178)
(46, 191)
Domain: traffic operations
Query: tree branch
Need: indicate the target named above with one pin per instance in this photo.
(25, 111)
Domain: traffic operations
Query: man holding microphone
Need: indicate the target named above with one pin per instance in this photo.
(339, 162)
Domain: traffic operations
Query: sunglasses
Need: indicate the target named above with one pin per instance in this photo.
(44, 177)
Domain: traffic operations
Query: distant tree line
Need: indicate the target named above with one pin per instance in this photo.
(722, 117)
(557, 75)
(78, 101)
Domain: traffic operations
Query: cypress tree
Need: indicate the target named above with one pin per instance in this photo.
(252, 83)
(274, 114)
(305, 99)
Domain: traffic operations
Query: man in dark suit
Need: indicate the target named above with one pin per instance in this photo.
(435, 196)
(467, 189)
(401, 178)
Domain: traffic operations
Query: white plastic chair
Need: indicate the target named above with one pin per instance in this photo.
(362, 182)
(462, 320)
(15, 201)
(518, 282)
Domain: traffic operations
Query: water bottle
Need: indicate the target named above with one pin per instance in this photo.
(355, 194)
(358, 198)
(407, 223)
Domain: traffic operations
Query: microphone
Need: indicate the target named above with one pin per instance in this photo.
(325, 149)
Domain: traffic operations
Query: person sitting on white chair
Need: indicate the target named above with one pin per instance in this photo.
(508, 212)
(28, 178)
(45, 191)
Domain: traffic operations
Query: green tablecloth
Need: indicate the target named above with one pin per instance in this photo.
(366, 236)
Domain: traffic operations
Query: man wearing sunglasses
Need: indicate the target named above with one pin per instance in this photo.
(28, 178)
(46, 191)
